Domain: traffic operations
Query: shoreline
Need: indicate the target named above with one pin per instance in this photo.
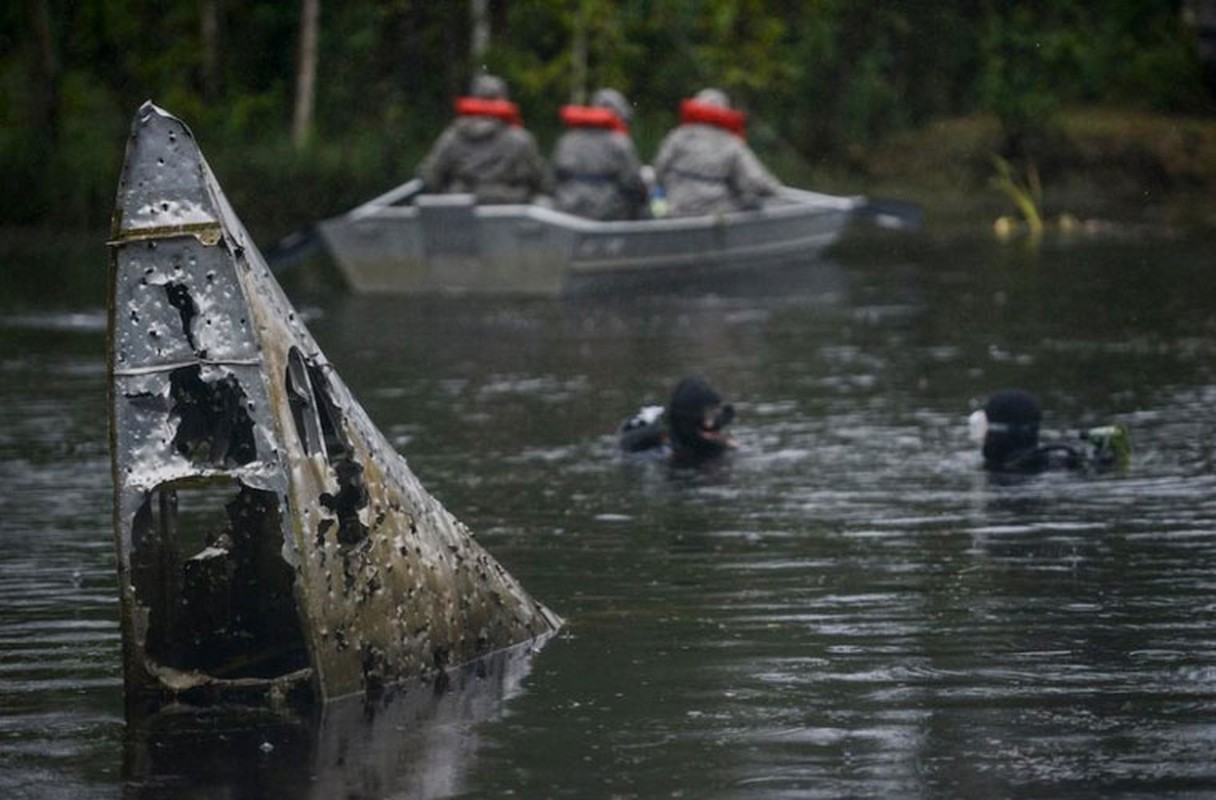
(1103, 173)
(1095, 166)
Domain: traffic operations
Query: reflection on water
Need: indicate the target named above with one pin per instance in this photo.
(414, 742)
(847, 607)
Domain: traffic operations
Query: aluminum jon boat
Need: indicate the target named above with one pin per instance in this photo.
(404, 241)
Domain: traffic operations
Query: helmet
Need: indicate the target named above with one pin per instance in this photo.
(697, 419)
(1013, 417)
(488, 87)
(713, 97)
(613, 100)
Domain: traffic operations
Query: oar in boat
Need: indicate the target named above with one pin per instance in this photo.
(891, 214)
(897, 215)
(301, 245)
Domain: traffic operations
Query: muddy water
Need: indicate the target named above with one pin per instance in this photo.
(845, 607)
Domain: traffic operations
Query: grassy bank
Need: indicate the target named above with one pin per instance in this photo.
(1155, 171)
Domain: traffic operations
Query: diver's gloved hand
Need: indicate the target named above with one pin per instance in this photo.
(721, 418)
(1112, 444)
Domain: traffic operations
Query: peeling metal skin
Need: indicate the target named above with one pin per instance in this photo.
(272, 547)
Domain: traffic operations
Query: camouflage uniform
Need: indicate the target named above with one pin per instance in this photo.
(598, 171)
(705, 169)
(490, 158)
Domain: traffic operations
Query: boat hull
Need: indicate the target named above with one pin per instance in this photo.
(447, 243)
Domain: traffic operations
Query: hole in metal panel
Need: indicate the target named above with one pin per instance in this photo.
(319, 424)
(209, 575)
(214, 426)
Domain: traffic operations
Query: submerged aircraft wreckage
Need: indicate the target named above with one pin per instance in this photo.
(272, 546)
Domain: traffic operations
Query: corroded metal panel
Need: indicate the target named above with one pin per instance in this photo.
(271, 543)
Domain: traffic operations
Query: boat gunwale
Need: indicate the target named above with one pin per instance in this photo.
(799, 203)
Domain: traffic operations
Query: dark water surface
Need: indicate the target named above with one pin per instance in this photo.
(845, 608)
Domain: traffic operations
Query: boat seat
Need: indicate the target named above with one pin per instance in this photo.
(448, 224)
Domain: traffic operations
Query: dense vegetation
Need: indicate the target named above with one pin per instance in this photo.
(822, 80)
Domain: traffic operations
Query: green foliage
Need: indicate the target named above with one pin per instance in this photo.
(738, 44)
(1035, 56)
(1020, 60)
(821, 80)
(1025, 193)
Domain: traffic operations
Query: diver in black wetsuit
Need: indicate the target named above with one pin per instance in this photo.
(690, 430)
(1008, 428)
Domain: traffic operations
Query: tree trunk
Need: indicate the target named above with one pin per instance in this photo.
(306, 76)
(479, 42)
(209, 33)
(578, 57)
(1202, 16)
(44, 103)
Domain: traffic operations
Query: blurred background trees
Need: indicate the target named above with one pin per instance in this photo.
(822, 80)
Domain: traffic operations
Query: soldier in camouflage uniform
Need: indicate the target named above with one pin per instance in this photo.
(596, 166)
(486, 151)
(705, 166)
